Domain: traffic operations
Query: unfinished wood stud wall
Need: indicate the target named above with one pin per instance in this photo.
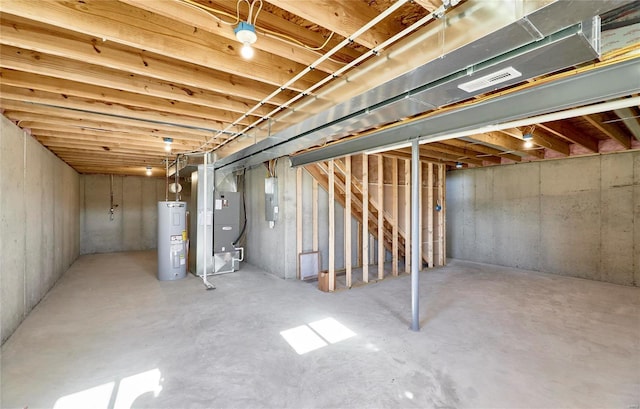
(357, 183)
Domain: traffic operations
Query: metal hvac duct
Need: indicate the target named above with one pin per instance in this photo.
(549, 39)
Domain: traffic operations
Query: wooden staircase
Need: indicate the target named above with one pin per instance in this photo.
(320, 172)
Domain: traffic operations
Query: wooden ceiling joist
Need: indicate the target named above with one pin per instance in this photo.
(122, 98)
(138, 146)
(137, 141)
(201, 19)
(344, 18)
(104, 130)
(17, 32)
(55, 74)
(482, 149)
(219, 119)
(549, 141)
(287, 30)
(599, 122)
(54, 143)
(461, 152)
(134, 27)
(559, 129)
(507, 142)
(81, 117)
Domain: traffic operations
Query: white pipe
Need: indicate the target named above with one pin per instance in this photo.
(373, 51)
(554, 116)
(322, 58)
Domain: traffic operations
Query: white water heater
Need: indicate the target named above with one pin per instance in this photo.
(172, 240)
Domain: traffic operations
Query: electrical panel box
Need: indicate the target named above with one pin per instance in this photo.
(271, 200)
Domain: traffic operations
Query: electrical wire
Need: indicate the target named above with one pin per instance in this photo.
(213, 12)
(244, 209)
(287, 38)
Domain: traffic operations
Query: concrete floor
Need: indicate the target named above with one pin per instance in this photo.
(110, 335)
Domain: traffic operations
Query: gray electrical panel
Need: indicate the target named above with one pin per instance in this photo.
(271, 200)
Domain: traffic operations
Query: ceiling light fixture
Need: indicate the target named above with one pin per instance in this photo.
(528, 140)
(246, 34)
(167, 144)
(458, 165)
(148, 170)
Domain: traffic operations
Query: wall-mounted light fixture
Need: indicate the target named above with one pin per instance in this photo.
(246, 34)
(149, 171)
(167, 144)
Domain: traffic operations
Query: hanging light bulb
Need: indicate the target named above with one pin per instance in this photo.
(246, 34)
(148, 170)
(528, 140)
(459, 165)
(246, 51)
(167, 144)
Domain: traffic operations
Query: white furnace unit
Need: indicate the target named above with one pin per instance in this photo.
(172, 240)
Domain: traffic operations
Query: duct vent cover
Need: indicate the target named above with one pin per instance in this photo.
(492, 79)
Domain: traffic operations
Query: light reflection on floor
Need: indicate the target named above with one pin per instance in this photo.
(128, 390)
(315, 335)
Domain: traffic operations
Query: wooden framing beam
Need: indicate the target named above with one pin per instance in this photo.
(217, 119)
(96, 138)
(561, 130)
(201, 19)
(94, 93)
(405, 155)
(394, 215)
(598, 122)
(332, 227)
(134, 27)
(550, 141)
(50, 141)
(23, 111)
(272, 22)
(461, 153)
(73, 78)
(380, 188)
(481, 149)
(17, 33)
(344, 18)
(507, 142)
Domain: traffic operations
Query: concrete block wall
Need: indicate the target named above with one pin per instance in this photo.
(578, 217)
(135, 220)
(39, 223)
